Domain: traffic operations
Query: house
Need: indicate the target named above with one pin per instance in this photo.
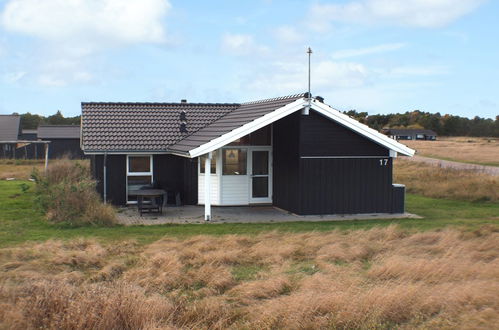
(294, 152)
(411, 134)
(10, 129)
(64, 140)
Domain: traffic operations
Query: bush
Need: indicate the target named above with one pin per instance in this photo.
(66, 192)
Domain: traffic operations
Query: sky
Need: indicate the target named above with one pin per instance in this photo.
(379, 56)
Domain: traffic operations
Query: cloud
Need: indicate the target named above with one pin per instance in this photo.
(347, 53)
(416, 13)
(13, 77)
(242, 44)
(287, 34)
(88, 22)
(289, 76)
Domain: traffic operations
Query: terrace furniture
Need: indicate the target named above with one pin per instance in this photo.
(149, 200)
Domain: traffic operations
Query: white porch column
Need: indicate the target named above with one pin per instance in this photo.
(46, 156)
(207, 187)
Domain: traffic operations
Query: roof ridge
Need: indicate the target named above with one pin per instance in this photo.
(275, 99)
(162, 103)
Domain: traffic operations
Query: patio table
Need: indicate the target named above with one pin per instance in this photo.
(154, 200)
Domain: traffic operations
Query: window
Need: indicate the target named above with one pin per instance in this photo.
(213, 168)
(139, 174)
(234, 161)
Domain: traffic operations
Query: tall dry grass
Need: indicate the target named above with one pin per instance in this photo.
(66, 191)
(378, 278)
(433, 181)
(19, 169)
(465, 149)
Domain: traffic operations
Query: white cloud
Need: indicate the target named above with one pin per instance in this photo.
(417, 13)
(13, 77)
(88, 22)
(242, 44)
(288, 34)
(74, 32)
(288, 76)
(347, 53)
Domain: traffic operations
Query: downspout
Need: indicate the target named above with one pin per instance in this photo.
(105, 178)
(207, 187)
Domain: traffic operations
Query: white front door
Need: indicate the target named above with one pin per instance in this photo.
(260, 175)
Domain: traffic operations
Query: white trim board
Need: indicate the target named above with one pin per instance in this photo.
(288, 109)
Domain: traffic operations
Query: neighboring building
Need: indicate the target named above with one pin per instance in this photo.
(10, 129)
(411, 134)
(64, 140)
(293, 152)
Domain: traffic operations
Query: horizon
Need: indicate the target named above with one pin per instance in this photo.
(374, 56)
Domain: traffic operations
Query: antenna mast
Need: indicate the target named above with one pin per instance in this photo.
(305, 111)
(309, 52)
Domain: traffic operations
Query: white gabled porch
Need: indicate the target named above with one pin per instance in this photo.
(237, 174)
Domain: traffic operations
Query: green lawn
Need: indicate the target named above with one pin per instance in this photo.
(20, 221)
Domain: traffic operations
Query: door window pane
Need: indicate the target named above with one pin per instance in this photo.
(139, 164)
(260, 162)
(234, 161)
(260, 186)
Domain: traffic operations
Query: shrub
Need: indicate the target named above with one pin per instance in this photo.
(66, 192)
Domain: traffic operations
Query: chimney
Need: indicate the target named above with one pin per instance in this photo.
(183, 121)
(183, 128)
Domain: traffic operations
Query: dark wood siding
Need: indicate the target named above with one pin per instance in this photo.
(346, 186)
(320, 136)
(116, 177)
(177, 174)
(286, 181)
(325, 184)
(169, 172)
(65, 147)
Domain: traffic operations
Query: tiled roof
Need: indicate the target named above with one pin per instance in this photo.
(245, 113)
(143, 126)
(9, 127)
(58, 132)
(128, 127)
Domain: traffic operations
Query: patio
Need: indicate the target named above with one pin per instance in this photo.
(191, 214)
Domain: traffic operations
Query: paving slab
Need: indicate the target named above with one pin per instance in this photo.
(192, 214)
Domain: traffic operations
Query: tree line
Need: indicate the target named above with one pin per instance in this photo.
(32, 121)
(446, 125)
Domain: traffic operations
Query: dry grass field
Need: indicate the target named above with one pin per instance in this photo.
(484, 151)
(377, 278)
(19, 169)
(432, 181)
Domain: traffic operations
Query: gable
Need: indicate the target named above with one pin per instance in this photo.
(9, 127)
(321, 136)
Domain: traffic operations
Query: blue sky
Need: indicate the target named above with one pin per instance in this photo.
(380, 56)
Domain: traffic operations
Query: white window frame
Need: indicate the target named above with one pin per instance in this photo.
(128, 173)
